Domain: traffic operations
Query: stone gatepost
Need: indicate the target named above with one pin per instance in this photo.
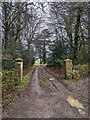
(19, 67)
(68, 69)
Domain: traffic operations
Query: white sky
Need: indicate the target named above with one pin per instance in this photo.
(45, 0)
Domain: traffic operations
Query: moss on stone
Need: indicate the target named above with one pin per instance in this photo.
(68, 60)
(76, 74)
(19, 59)
(69, 76)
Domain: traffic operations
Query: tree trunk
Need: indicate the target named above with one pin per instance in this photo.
(6, 27)
(89, 35)
(77, 26)
(44, 53)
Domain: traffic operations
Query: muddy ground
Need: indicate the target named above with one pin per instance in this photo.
(39, 102)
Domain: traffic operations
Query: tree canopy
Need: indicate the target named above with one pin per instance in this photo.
(50, 31)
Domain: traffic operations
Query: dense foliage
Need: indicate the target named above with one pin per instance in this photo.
(28, 31)
(70, 25)
(11, 85)
(9, 81)
(18, 32)
(58, 54)
(80, 71)
(8, 64)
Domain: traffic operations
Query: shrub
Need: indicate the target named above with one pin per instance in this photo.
(8, 64)
(26, 79)
(9, 80)
(80, 71)
(11, 84)
(76, 74)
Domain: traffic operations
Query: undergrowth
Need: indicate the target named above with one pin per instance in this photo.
(26, 79)
(9, 91)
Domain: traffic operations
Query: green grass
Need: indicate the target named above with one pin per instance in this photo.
(43, 77)
(4, 70)
(23, 83)
(26, 79)
(21, 86)
(37, 62)
(44, 65)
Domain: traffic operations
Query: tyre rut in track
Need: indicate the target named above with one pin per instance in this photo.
(37, 102)
(67, 94)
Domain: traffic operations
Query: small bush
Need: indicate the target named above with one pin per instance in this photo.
(26, 79)
(11, 85)
(8, 64)
(80, 71)
(76, 74)
(9, 80)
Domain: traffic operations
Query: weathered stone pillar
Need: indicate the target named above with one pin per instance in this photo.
(19, 67)
(68, 69)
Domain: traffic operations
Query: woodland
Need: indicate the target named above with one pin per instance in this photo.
(44, 35)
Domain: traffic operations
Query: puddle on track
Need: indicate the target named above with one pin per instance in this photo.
(75, 103)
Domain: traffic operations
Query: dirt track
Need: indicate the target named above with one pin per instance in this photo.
(38, 102)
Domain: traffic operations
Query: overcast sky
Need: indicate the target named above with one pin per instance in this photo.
(46, 0)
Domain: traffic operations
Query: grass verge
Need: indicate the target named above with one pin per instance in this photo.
(22, 85)
(43, 78)
(58, 77)
(26, 79)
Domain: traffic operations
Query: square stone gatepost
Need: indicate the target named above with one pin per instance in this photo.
(19, 67)
(68, 67)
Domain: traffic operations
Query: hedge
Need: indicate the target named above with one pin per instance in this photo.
(80, 71)
(9, 81)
